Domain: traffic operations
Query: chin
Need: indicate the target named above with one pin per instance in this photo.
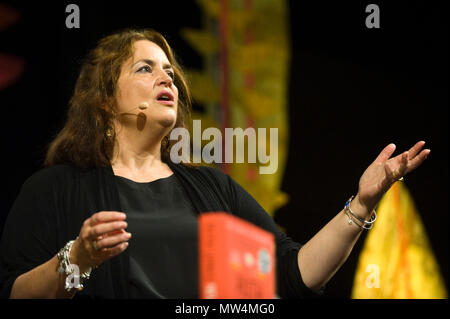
(168, 120)
(162, 116)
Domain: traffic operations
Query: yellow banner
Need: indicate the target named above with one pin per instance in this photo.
(255, 56)
(397, 261)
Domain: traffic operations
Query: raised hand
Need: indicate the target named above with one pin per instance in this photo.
(384, 171)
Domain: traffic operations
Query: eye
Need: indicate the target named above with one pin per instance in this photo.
(171, 74)
(144, 69)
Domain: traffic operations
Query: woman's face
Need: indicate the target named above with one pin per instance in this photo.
(147, 78)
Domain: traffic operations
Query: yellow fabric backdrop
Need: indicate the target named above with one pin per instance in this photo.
(397, 261)
(257, 63)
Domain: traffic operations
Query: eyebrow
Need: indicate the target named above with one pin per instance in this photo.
(152, 63)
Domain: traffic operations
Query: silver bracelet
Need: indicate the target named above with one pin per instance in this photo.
(69, 269)
(365, 224)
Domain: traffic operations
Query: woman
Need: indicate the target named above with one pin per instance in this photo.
(109, 185)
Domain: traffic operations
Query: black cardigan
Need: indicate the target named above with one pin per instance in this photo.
(54, 202)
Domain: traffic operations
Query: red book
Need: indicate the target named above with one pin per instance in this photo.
(236, 258)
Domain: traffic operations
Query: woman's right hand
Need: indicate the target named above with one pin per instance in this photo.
(107, 229)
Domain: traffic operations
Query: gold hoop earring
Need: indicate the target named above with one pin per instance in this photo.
(165, 142)
(109, 132)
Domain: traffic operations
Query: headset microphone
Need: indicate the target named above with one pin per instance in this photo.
(143, 106)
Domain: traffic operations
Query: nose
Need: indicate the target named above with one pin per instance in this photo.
(164, 78)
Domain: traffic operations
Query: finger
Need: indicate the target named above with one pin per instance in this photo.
(413, 151)
(403, 167)
(105, 228)
(385, 153)
(112, 241)
(106, 216)
(399, 159)
(112, 233)
(397, 166)
(393, 174)
(114, 251)
(418, 160)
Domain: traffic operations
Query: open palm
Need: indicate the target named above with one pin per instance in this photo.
(384, 171)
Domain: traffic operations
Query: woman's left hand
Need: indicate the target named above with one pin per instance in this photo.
(384, 171)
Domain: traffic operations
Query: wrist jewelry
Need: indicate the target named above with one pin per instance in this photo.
(352, 217)
(66, 267)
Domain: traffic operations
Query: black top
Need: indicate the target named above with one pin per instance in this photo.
(55, 201)
(163, 247)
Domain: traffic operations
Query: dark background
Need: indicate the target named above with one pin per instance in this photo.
(353, 90)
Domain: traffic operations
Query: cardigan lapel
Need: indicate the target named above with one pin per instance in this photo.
(201, 189)
(108, 199)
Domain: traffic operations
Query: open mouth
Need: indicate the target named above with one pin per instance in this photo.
(165, 97)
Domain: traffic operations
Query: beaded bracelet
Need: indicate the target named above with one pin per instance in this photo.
(66, 267)
(365, 224)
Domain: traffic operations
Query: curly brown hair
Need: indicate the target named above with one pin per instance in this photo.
(82, 141)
